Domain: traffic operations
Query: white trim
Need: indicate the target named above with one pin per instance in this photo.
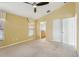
(15, 43)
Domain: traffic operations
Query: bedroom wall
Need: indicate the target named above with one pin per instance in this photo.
(16, 30)
(77, 11)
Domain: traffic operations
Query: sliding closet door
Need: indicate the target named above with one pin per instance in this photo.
(69, 31)
(64, 30)
(57, 32)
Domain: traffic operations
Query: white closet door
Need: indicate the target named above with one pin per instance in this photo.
(57, 30)
(65, 31)
(69, 31)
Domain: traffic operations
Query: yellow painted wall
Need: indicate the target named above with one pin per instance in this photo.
(16, 29)
(66, 11)
(77, 11)
(37, 28)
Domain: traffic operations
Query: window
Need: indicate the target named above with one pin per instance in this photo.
(31, 28)
(2, 20)
(1, 29)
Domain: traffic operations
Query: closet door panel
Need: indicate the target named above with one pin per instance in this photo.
(56, 30)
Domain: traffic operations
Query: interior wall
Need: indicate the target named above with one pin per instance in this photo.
(77, 11)
(67, 11)
(37, 26)
(16, 30)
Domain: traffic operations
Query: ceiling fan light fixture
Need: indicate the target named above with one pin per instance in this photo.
(34, 6)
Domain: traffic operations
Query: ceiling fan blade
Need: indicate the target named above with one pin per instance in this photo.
(42, 3)
(28, 3)
(35, 10)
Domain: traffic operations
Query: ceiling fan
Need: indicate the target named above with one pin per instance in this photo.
(35, 5)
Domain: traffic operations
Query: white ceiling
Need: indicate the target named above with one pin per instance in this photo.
(26, 10)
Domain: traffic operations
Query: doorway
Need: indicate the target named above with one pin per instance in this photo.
(43, 30)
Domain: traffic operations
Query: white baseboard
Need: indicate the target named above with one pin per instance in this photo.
(15, 43)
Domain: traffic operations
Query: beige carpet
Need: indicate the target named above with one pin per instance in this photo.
(38, 48)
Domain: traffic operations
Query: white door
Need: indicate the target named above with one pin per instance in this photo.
(69, 31)
(65, 31)
(57, 30)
